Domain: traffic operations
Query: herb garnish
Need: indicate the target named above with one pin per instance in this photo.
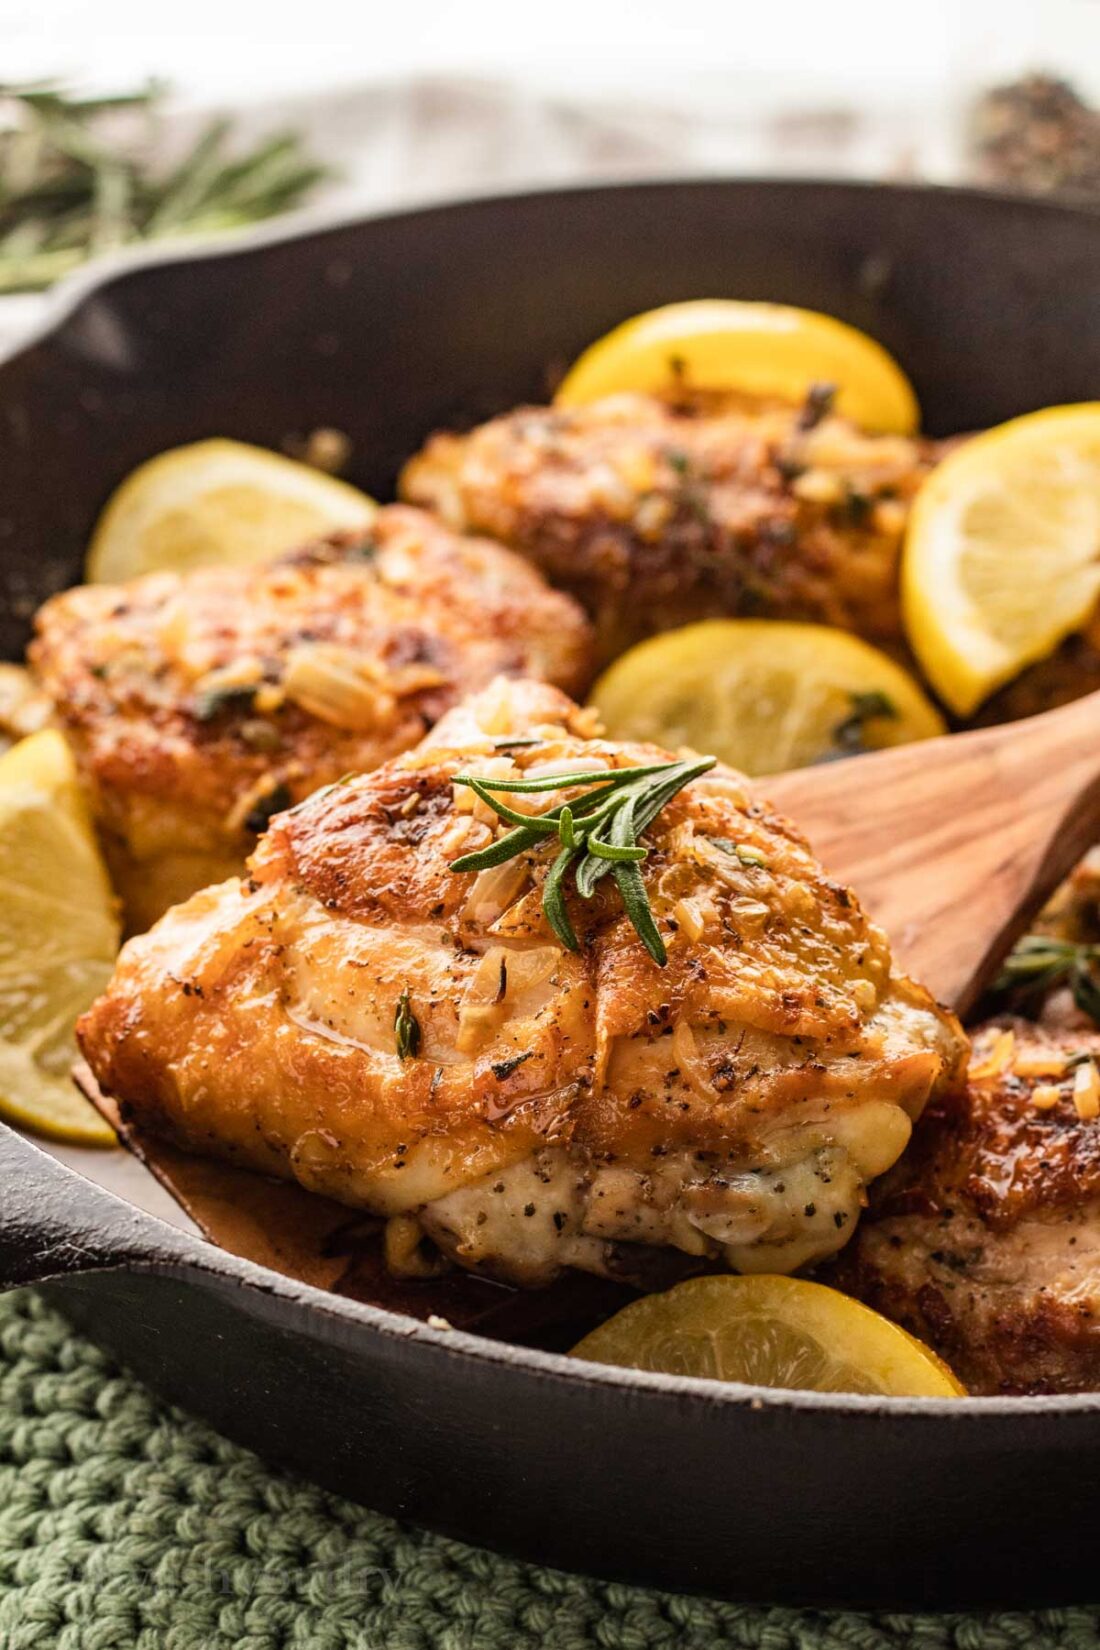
(406, 1027)
(216, 701)
(597, 833)
(739, 850)
(849, 735)
(1038, 964)
(264, 809)
(70, 187)
(817, 405)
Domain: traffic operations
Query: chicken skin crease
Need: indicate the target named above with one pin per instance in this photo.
(416, 1042)
(200, 703)
(985, 1240)
(655, 515)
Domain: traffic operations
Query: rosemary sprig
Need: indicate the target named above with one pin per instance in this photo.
(77, 177)
(1039, 963)
(597, 834)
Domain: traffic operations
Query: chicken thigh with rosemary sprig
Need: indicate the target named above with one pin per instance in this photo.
(540, 1000)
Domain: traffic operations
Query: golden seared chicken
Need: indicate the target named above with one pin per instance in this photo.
(655, 515)
(423, 1043)
(985, 1241)
(198, 704)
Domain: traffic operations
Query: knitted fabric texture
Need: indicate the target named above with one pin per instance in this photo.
(125, 1524)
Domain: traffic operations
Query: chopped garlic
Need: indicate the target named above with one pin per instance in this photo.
(1051, 1064)
(865, 996)
(1086, 1090)
(693, 916)
(818, 487)
(998, 1060)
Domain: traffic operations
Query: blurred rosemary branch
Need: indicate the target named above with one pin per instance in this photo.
(1039, 964)
(77, 177)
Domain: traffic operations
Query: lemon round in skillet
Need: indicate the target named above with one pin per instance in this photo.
(772, 350)
(770, 1331)
(1002, 551)
(217, 502)
(59, 934)
(763, 695)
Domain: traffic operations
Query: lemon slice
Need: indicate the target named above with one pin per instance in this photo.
(763, 695)
(1002, 553)
(770, 1331)
(761, 349)
(217, 502)
(58, 938)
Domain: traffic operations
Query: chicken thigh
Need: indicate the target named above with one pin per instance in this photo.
(655, 515)
(985, 1240)
(199, 704)
(419, 1042)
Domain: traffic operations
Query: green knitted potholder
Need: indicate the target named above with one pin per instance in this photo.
(123, 1523)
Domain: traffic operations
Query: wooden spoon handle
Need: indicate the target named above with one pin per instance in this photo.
(953, 844)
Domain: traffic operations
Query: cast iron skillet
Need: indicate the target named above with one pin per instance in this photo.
(387, 328)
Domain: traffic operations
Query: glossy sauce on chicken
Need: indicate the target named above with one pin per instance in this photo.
(985, 1240)
(358, 1016)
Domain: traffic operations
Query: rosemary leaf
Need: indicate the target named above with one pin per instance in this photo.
(638, 909)
(1039, 964)
(72, 185)
(553, 900)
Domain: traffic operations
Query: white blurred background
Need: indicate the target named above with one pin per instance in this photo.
(429, 98)
(720, 52)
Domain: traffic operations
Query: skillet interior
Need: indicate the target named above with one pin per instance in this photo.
(386, 329)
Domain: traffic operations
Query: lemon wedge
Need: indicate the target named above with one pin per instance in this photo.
(763, 349)
(770, 1331)
(217, 502)
(59, 934)
(763, 695)
(1002, 554)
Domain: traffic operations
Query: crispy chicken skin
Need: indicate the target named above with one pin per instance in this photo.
(985, 1240)
(554, 1108)
(199, 703)
(655, 515)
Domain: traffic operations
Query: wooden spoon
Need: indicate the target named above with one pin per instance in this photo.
(953, 844)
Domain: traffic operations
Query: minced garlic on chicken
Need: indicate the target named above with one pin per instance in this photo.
(655, 515)
(357, 1016)
(200, 703)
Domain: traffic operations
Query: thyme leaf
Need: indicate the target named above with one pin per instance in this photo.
(406, 1028)
(264, 809)
(849, 735)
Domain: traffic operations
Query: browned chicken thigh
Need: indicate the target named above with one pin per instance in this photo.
(655, 514)
(985, 1240)
(198, 704)
(421, 1043)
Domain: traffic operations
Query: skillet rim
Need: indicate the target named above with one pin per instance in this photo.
(174, 1247)
(66, 297)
